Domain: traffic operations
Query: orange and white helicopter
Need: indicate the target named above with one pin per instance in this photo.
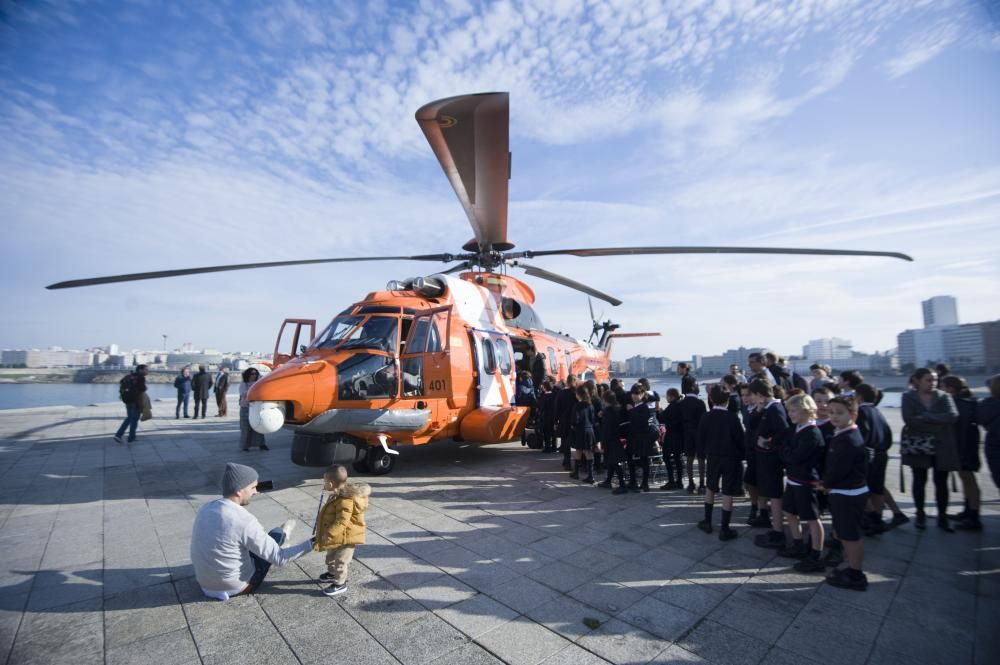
(435, 357)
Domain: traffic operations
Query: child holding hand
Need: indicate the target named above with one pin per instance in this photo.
(341, 526)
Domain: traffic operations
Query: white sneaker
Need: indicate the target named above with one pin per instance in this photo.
(118, 439)
(287, 527)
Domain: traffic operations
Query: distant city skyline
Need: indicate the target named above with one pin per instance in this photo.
(151, 136)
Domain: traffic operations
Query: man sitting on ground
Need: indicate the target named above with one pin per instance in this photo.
(230, 551)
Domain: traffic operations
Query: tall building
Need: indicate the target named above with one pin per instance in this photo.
(827, 348)
(940, 311)
(969, 347)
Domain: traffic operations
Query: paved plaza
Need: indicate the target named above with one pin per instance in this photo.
(475, 555)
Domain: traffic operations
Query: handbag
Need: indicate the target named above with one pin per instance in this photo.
(919, 443)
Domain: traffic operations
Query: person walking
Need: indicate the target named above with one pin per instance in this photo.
(183, 385)
(132, 390)
(967, 438)
(928, 442)
(221, 387)
(248, 435)
(201, 384)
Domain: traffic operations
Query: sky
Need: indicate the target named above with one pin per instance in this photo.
(150, 135)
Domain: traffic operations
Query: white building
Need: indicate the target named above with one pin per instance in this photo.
(940, 311)
(827, 348)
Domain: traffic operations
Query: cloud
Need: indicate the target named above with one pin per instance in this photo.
(922, 48)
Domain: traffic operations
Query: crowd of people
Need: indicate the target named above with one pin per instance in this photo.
(797, 448)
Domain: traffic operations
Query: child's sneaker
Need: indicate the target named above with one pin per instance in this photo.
(118, 439)
(810, 564)
(326, 577)
(899, 519)
(335, 589)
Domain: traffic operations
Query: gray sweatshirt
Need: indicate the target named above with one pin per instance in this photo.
(223, 536)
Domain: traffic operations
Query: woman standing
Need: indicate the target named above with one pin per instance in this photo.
(248, 435)
(928, 442)
(988, 415)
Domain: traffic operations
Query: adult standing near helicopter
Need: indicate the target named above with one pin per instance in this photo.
(248, 436)
(643, 430)
(565, 404)
(221, 387)
(201, 384)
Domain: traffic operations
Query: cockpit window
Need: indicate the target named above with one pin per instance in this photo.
(374, 332)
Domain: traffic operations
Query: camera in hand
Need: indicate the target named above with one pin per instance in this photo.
(265, 485)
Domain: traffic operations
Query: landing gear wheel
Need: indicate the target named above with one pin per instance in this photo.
(379, 462)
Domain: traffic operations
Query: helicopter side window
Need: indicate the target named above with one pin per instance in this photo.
(489, 358)
(503, 356)
(553, 360)
(364, 376)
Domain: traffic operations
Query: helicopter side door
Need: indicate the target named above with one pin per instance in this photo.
(288, 346)
(424, 360)
(495, 367)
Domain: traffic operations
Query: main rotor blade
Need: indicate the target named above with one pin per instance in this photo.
(134, 277)
(469, 136)
(566, 281)
(624, 251)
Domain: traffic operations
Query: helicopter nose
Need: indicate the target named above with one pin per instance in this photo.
(267, 417)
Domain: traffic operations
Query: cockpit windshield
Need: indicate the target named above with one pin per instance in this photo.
(360, 332)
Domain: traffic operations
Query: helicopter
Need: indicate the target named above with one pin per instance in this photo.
(435, 357)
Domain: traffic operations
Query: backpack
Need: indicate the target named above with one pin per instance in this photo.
(125, 389)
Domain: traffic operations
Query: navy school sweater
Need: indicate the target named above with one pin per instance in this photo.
(774, 425)
(692, 409)
(874, 427)
(720, 434)
(803, 455)
(846, 461)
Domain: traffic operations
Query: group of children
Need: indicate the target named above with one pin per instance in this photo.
(797, 455)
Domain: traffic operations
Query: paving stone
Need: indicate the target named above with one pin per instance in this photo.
(746, 615)
(439, 592)
(142, 613)
(75, 630)
(523, 593)
(666, 621)
(173, 648)
(606, 596)
(568, 617)
(806, 638)
(622, 643)
(696, 598)
(574, 655)
(561, 576)
(469, 654)
(477, 615)
(676, 655)
(723, 645)
(778, 656)
(522, 642)
(422, 641)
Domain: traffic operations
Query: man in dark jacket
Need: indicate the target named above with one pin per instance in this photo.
(201, 384)
(183, 385)
(132, 390)
(221, 386)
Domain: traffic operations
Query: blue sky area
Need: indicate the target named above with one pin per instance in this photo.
(151, 135)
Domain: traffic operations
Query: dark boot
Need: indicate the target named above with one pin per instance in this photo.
(971, 522)
(575, 473)
(772, 540)
(590, 472)
(835, 556)
(811, 563)
(794, 550)
(944, 524)
(706, 524)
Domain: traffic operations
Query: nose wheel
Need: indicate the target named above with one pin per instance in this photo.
(376, 461)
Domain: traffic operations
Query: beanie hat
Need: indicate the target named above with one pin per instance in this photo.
(236, 477)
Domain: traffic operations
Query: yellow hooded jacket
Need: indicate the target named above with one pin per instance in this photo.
(342, 519)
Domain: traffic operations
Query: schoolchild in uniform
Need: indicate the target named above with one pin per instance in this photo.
(845, 480)
(802, 456)
(642, 432)
(720, 435)
(732, 386)
(758, 506)
(822, 396)
(565, 406)
(547, 417)
(772, 433)
(598, 405)
(583, 435)
(849, 381)
(610, 435)
(692, 409)
(968, 437)
(877, 435)
(673, 441)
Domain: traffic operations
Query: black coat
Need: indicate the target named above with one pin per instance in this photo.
(692, 410)
(565, 403)
(643, 429)
(611, 429)
(584, 423)
(201, 383)
(754, 416)
(547, 410)
(720, 434)
(671, 418)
